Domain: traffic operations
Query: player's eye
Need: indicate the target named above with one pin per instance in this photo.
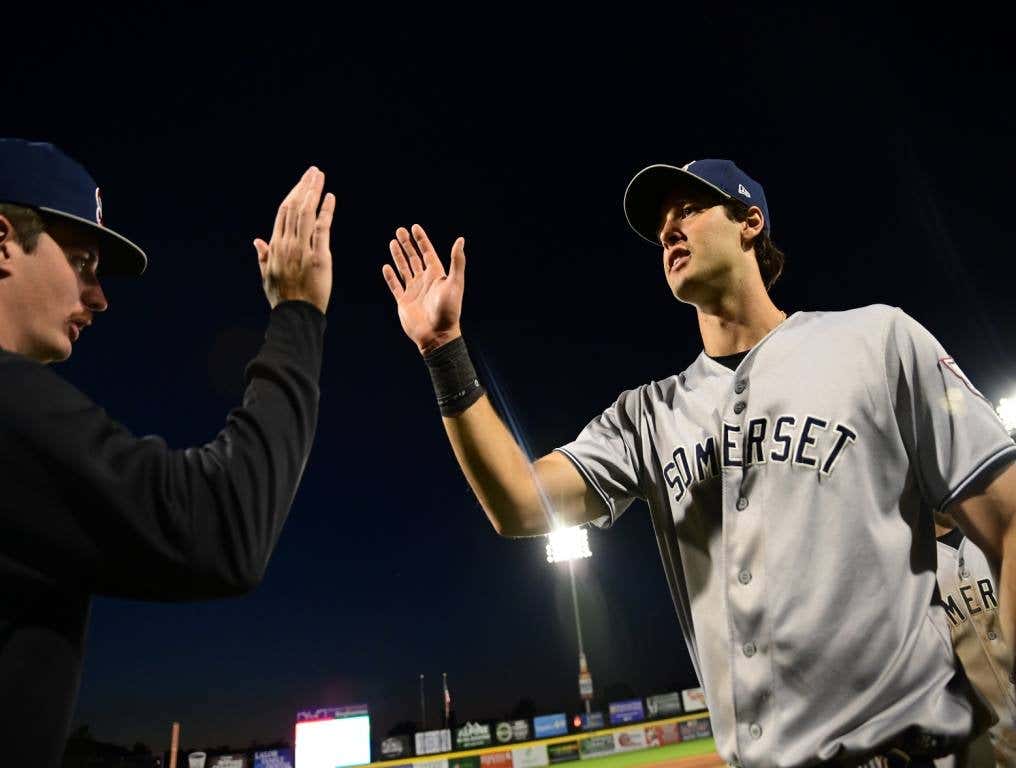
(688, 210)
(81, 261)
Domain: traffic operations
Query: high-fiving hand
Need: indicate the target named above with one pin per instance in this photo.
(430, 301)
(297, 264)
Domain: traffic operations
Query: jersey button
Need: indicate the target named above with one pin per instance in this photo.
(739, 406)
(964, 573)
(744, 576)
(740, 386)
(742, 503)
(749, 649)
(755, 731)
(992, 635)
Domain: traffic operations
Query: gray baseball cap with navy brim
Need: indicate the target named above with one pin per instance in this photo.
(649, 188)
(39, 175)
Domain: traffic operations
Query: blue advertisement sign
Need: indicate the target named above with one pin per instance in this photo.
(629, 711)
(592, 721)
(274, 758)
(550, 725)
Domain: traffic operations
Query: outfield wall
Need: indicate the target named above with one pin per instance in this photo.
(571, 747)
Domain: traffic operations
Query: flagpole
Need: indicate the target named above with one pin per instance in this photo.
(447, 697)
(423, 707)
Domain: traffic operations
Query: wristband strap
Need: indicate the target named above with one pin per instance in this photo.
(453, 376)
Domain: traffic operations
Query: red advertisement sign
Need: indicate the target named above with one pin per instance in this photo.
(659, 735)
(496, 760)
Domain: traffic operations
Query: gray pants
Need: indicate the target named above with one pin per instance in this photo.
(978, 754)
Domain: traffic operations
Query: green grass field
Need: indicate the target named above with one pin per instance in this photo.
(655, 754)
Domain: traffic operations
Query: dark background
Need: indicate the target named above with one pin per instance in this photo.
(885, 145)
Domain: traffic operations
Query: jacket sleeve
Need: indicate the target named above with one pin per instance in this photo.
(86, 503)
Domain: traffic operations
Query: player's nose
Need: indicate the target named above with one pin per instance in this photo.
(93, 297)
(670, 236)
(670, 231)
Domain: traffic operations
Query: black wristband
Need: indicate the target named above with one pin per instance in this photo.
(453, 376)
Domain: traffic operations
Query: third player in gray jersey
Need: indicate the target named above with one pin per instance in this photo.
(785, 471)
(969, 588)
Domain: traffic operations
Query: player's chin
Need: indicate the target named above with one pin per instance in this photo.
(683, 289)
(59, 350)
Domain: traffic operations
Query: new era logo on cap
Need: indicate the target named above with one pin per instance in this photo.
(649, 188)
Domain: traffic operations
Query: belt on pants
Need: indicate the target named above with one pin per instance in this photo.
(895, 760)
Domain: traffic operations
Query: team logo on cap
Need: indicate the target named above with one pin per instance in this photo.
(741, 190)
(98, 207)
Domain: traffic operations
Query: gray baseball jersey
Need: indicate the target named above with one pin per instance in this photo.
(786, 500)
(968, 586)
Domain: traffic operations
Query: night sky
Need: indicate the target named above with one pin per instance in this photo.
(885, 145)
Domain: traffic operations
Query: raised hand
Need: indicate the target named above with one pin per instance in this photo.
(297, 264)
(429, 300)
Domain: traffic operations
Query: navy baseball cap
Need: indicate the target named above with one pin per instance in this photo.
(38, 175)
(643, 200)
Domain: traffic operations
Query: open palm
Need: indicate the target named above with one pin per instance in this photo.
(429, 299)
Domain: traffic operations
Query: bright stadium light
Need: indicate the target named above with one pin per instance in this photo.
(567, 544)
(563, 546)
(1007, 412)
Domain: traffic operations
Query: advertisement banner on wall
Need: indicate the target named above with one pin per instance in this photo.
(227, 761)
(274, 758)
(470, 761)
(496, 760)
(596, 746)
(629, 711)
(433, 742)
(530, 757)
(507, 731)
(626, 741)
(550, 725)
(699, 728)
(591, 721)
(664, 705)
(394, 747)
(473, 736)
(694, 700)
(659, 735)
(431, 764)
(564, 752)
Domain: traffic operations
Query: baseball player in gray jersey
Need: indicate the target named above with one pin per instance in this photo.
(968, 585)
(784, 471)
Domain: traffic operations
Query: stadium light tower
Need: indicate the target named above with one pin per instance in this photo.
(566, 545)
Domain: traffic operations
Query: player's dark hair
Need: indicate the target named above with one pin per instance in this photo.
(26, 222)
(770, 258)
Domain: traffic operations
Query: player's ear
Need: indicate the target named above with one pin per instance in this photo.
(6, 239)
(752, 226)
(9, 246)
(6, 229)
